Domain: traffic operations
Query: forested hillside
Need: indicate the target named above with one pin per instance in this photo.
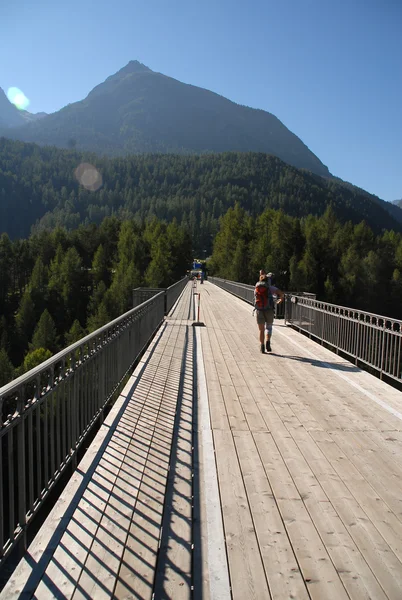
(344, 264)
(38, 187)
(55, 287)
(137, 110)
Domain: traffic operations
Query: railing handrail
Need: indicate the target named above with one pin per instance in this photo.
(32, 373)
(317, 305)
(6, 389)
(50, 410)
(245, 292)
(372, 340)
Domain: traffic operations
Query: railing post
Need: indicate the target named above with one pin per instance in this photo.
(21, 467)
(338, 333)
(357, 340)
(382, 350)
(322, 328)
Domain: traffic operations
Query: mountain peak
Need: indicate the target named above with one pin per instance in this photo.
(138, 110)
(131, 68)
(134, 66)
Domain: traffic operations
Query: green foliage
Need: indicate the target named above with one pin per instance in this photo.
(83, 276)
(6, 368)
(154, 214)
(45, 333)
(342, 264)
(99, 318)
(25, 318)
(40, 187)
(35, 358)
(100, 266)
(229, 242)
(76, 333)
(6, 258)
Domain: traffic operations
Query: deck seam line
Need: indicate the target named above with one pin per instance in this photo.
(219, 583)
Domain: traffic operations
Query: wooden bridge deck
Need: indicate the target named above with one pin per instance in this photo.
(225, 473)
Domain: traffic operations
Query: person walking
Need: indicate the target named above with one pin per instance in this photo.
(264, 305)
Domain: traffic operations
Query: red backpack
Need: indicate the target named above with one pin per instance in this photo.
(263, 299)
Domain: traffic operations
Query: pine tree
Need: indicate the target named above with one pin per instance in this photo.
(4, 338)
(6, 368)
(25, 318)
(100, 318)
(35, 358)
(76, 333)
(6, 256)
(45, 333)
(100, 267)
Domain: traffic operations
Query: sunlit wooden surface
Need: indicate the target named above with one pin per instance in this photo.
(308, 452)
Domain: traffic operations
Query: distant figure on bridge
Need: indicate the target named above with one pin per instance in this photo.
(264, 305)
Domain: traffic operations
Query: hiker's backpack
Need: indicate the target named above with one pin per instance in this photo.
(263, 299)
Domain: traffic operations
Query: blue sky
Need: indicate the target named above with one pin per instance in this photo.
(330, 71)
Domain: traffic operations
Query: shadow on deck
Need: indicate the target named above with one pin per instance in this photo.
(224, 473)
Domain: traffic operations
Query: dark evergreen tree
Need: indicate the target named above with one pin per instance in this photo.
(6, 368)
(45, 335)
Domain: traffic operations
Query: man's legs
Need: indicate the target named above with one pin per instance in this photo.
(268, 334)
(261, 331)
(268, 330)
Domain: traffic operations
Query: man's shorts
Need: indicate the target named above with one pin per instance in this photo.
(265, 316)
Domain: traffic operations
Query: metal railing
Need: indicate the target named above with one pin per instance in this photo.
(172, 293)
(142, 294)
(246, 292)
(373, 340)
(46, 414)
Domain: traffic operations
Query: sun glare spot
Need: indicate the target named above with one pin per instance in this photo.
(18, 98)
(88, 176)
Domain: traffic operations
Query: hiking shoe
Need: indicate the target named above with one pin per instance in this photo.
(268, 347)
(262, 349)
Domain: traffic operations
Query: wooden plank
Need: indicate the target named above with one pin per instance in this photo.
(242, 411)
(69, 557)
(244, 402)
(99, 572)
(376, 552)
(98, 577)
(136, 574)
(173, 577)
(234, 409)
(281, 568)
(319, 573)
(250, 408)
(210, 568)
(340, 384)
(389, 441)
(301, 456)
(383, 475)
(97, 492)
(219, 418)
(137, 570)
(245, 564)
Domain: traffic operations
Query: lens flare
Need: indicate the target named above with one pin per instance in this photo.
(88, 176)
(18, 98)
